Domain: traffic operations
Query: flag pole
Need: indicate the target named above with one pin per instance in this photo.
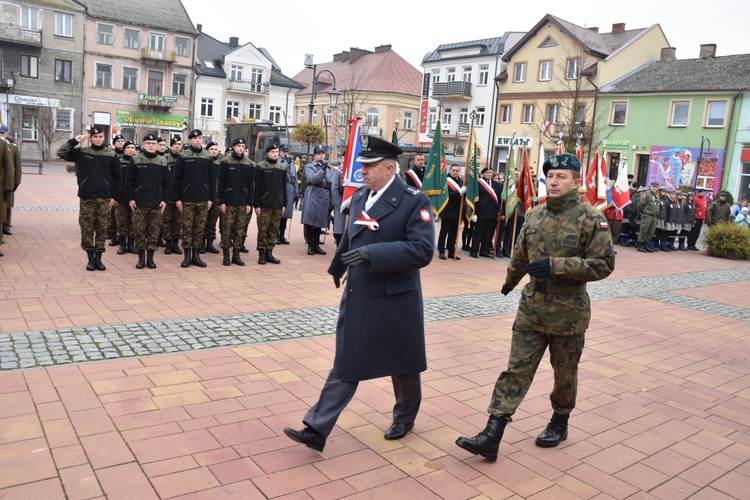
(461, 208)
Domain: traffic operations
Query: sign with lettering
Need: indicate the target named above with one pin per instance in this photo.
(136, 119)
(157, 98)
(617, 145)
(524, 142)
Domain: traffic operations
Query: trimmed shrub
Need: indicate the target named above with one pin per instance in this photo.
(728, 241)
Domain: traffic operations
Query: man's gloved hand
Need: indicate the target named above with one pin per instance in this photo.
(356, 257)
(337, 281)
(6, 194)
(539, 268)
(462, 190)
(506, 290)
(474, 218)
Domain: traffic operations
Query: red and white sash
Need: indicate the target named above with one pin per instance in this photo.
(364, 220)
(486, 185)
(453, 185)
(415, 178)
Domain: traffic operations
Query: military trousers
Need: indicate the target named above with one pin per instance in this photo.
(193, 223)
(268, 227)
(112, 220)
(648, 228)
(211, 219)
(124, 217)
(93, 217)
(171, 222)
(233, 227)
(526, 351)
(146, 226)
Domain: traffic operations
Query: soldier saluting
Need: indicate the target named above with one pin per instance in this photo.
(563, 244)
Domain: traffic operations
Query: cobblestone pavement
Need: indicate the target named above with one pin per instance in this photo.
(74, 345)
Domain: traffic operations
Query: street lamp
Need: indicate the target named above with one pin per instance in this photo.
(8, 84)
(333, 94)
(704, 140)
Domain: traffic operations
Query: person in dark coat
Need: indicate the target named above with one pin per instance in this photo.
(490, 198)
(449, 222)
(389, 238)
(337, 194)
(292, 193)
(317, 207)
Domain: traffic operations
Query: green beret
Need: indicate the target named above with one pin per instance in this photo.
(564, 161)
(724, 193)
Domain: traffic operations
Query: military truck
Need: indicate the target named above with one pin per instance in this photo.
(259, 134)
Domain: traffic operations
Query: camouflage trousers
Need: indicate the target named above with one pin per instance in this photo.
(211, 219)
(526, 351)
(233, 227)
(112, 220)
(193, 223)
(146, 226)
(268, 227)
(124, 217)
(172, 219)
(93, 217)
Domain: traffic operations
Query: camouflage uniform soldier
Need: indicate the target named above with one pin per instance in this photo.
(6, 181)
(118, 143)
(15, 162)
(648, 207)
(170, 230)
(269, 201)
(213, 213)
(235, 199)
(194, 181)
(563, 244)
(98, 175)
(146, 189)
(123, 214)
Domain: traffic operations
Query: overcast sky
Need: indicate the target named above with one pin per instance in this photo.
(292, 28)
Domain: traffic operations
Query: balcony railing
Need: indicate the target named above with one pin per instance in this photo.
(247, 86)
(167, 56)
(13, 33)
(451, 90)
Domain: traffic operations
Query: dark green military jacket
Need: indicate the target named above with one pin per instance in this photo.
(647, 205)
(576, 239)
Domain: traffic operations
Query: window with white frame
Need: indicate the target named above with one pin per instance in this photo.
(571, 72)
(103, 75)
(519, 72)
(301, 116)
(256, 77)
(463, 115)
(315, 116)
(505, 113)
(327, 117)
(408, 122)
(432, 117)
(131, 39)
(29, 66)
(157, 42)
(545, 71)
(235, 72)
(450, 75)
(129, 78)
(233, 109)
(466, 74)
(372, 118)
(63, 71)
(155, 82)
(447, 115)
(182, 46)
(480, 112)
(274, 114)
(207, 107)
(552, 110)
(484, 74)
(105, 34)
(29, 18)
(179, 84)
(254, 111)
(619, 113)
(64, 119)
(343, 115)
(716, 113)
(528, 113)
(63, 24)
(435, 75)
(680, 114)
(580, 114)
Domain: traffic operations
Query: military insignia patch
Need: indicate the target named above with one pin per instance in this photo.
(604, 225)
(425, 215)
(570, 240)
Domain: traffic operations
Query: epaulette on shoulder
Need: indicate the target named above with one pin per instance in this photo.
(412, 191)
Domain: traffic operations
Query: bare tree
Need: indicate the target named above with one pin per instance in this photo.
(47, 128)
(352, 103)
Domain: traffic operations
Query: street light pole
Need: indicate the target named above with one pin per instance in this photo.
(333, 94)
(704, 140)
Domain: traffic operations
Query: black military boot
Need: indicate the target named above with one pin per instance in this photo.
(210, 248)
(262, 257)
(161, 242)
(196, 261)
(310, 250)
(270, 258)
(318, 250)
(236, 257)
(168, 247)
(202, 248)
(243, 248)
(487, 442)
(131, 246)
(555, 433)
(226, 260)
(91, 266)
(141, 259)
(186, 260)
(98, 262)
(113, 240)
(123, 247)
(150, 259)
(176, 246)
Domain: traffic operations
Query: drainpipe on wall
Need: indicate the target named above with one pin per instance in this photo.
(725, 178)
(593, 116)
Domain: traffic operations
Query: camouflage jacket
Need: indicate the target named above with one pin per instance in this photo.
(576, 239)
(718, 212)
(648, 205)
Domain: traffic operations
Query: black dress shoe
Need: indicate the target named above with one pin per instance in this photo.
(474, 255)
(441, 255)
(397, 431)
(307, 436)
(8, 232)
(453, 256)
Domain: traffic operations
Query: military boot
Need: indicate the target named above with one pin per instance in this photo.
(210, 248)
(487, 442)
(236, 257)
(310, 250)
(226, 261)
(243, 248)
(196, 261)
(270, 258)
(91, 266)
(113, 240)
(123, 247)
(555, 433)
(176, 246)
(131, 245)
(168, 247)
(186, 260)
(141, 259)
(161, 242)
(262, 257)
(318, 251)
(202, 248)
(150, 259)
(98, 262)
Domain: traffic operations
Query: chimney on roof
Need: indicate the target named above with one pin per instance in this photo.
(382, 48)
(668, 54)
(200, 28)
(618, 27)
(344, 55)
(708, 51)
(234, 41)
(355, 53)
(594, 29)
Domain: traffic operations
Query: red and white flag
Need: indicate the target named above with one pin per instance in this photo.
(621, 190)
(351, 174)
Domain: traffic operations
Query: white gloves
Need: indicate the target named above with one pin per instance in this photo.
(473, 218)
(462, 190)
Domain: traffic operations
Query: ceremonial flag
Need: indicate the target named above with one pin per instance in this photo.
(547, 126)
(394, 137)
(541, 185)
(525, 184)
(351, 174)
(561, 148)
(590, 194)
(621, 190)
(509, 186)
(582, 186)
(435, 176)
(471, 178)
(603, 192)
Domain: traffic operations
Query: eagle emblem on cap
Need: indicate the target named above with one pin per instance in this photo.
(553, 162)
(365, 141)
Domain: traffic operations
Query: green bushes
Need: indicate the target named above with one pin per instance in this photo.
(728, 241)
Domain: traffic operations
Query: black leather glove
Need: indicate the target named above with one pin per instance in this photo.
(337, 281)
(506, 290)
(6, 194)
(539, 268)
(356, 257)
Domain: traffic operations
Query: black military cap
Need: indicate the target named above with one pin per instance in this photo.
(375, 149)
(194, 133)
(271, 147)
(238, 140)
(283, 147)
(655, 184)
(485, 169)
(210, 143)
(565, 161)
(138, 147)
(149, 137)
(319, 149)
(117, 138)
(176, 138)
(127, 143)
(95, 130)
(160, 139)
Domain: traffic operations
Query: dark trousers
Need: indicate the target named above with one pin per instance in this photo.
(336, 394)
(481, 241)
(447, 235)
(695, 233)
